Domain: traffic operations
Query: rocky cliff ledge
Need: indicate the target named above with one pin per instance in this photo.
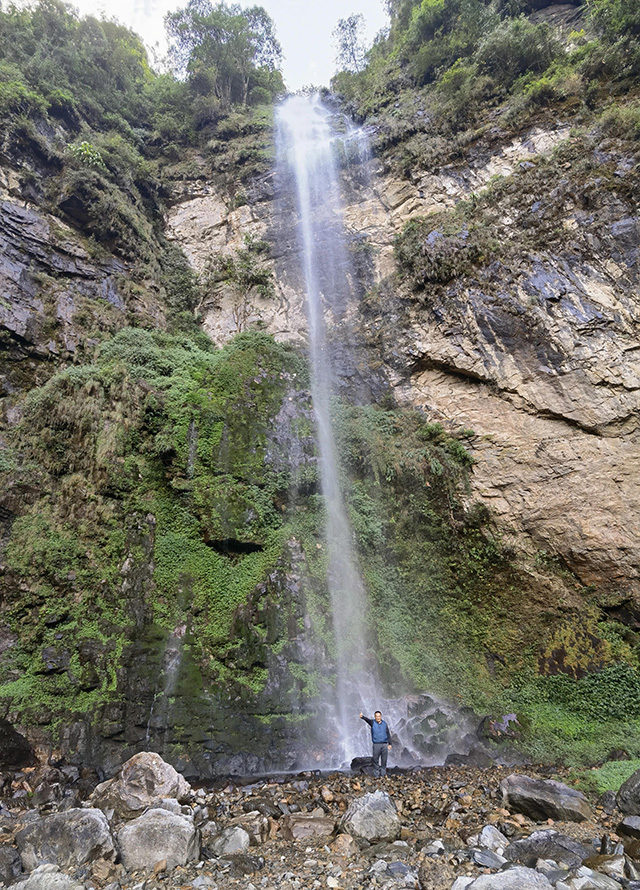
(531, 341)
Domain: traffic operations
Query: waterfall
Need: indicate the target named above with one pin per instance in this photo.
(307, 156)
(309, 141)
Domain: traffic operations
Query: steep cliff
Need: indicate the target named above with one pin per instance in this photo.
(163, 560)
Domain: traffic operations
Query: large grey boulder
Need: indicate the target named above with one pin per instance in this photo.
(373, 817)
(143, 781)
(542, 799)
(230, 842)
(49, 877)
(157, 835)
(70, 840)
(518, 878)
(628, 797)
(548, 844)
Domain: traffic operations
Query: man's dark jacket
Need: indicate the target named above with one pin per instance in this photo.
(379, 731)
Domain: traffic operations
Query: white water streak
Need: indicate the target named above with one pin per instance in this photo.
(307, 147)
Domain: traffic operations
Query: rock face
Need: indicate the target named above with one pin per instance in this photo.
(15, 750)
(143, 781)
(68, 840)
(158, 835)
(628, 797)
(373, 817)
(540, 799)
(542, 364)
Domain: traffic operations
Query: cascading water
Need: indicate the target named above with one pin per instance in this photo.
(307, 155)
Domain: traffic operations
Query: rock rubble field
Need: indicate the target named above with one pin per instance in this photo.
(437, 828)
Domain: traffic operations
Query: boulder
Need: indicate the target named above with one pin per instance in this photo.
(69, 840)
(518, 878)
(629, 827)
(628, 797)
(492, 839)
(344, 846)
(587, 879)
(156, 835)
(256, 826)
(229, 842)
(49, 877)
(143, 781)
(10, 863)
(548, 844)
(307, 827)
(541, 799)
(373, 817)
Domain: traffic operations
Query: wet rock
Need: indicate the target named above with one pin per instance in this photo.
(157, 835)
(547, 844)
(302, 827)
(49, 877)
(230, 841)
(142, 781)
(69, 840)
(542, 799)
(373, 817)
(628, 797)
(518, 878)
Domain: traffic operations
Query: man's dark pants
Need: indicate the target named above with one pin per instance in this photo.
(380, 753)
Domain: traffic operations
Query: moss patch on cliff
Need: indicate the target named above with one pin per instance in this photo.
(158, 427)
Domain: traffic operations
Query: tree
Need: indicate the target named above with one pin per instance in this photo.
(223, 46)
(349, 38)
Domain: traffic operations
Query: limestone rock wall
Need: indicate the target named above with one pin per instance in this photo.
(541, 357)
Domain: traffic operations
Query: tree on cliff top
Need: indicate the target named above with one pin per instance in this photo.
(348, 37)
(226, 49)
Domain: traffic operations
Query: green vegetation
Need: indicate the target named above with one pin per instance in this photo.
(228, 53)
(241, 273)
(159, 426)
(519, 213)
(452, 72)
(609, 777)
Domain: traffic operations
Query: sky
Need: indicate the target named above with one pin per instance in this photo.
(303, 28)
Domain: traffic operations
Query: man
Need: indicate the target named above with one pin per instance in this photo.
(381, 742)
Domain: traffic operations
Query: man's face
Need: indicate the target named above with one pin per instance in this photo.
(378, 717)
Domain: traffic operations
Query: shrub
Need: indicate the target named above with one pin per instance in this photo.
(87, 154)
(515, 47)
